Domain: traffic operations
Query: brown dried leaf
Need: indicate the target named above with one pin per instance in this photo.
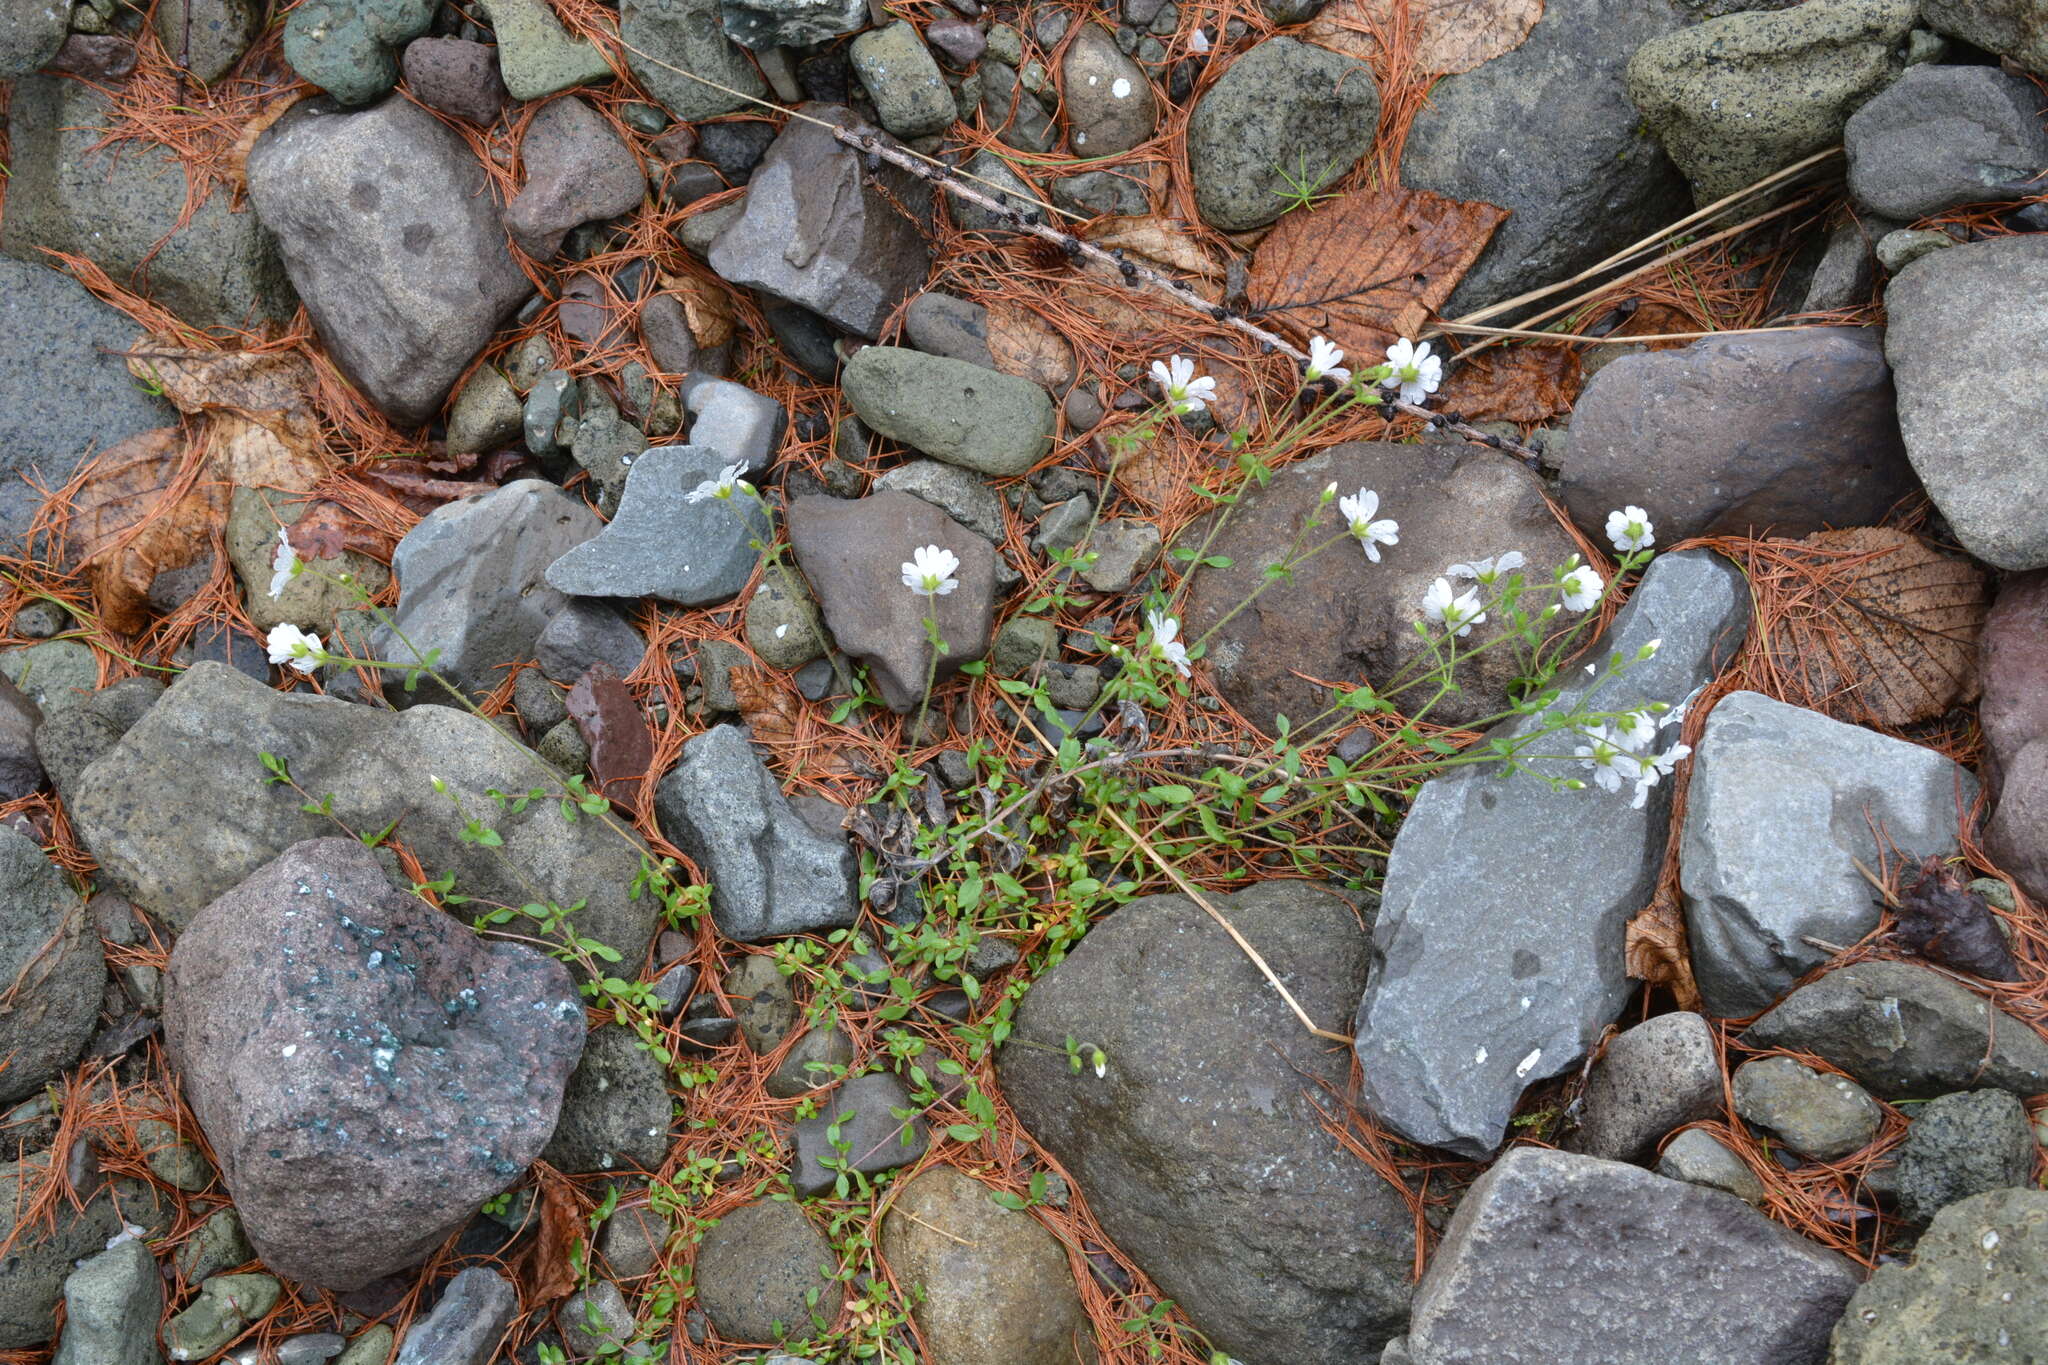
(1025, 346)
(550, 1268)
(245, 141)
(142, 509)
(1513, 384)
(329, 530)
(705, 308)
(1944, 921)
(266, 433)
(771, 712)
(1886, 632)
(1655, 952)
(1369, 267)
(1163, 242)
(621, 745)
(1445, 36)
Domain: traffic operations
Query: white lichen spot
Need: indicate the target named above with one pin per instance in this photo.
(782, 630)
(1989, 1241)
(289, 1049)
(1525, 1002)
(383, 1057)
(1121, 88)
(1528, 1063)
(1479, 1057)
(375, 958)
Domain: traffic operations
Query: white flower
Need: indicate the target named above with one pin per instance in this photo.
(724, 486)
(1580, 588)
(1486, 571)
(1358, 512)
(290, 645)
(1630, 529)
(1635, 730)
(930, 571)
(1650, 767)
(1611, 762)
(1177, 380)
(1101, 1064)
(1324, 358)
(1166, 643)
(1457, 612)
(1416, 372)
(283, 564)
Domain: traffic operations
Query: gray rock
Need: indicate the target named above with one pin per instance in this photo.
(1096, 193)
(1846, 272)
(216, 1245)
(394, 243)
(763, 1002)
(978, 419)
(1786, 432)
(1971, 1293)
(818, 1058)
(783, 626)
(173, 1160)
(586, 633)
(2012, 28)
(197, 750)
(1662, 1074)
(372, 1347)
(564, 748)
(1121, 551)
(954, 491)
(68, 742)
(1739, 97)
(212, 39)
(755, 1267)
(898, 72)
(536, 55)
(1674, 1262)
(41, 1256)
(743, 426)
(31, 31)
(1968, 340)
(68, 397)
(312, 599)
(347, 47)
(685, 34)
(226, 1305)
(1014, 112)
(939, 323)
(855, 1129)
(1109, 105)
(1200, 1149)
(596, 1322)
(310, 1348)
(366, 1069)
(487, 413)
(819, 233)
(853, 552)
(1897, 250)
(1944, 136)
(1547, 132)
(631, 1240)
(577, 171)
(467, 1325)
(553, 403)
(50, 955)
(111, 1306)
(1906, 1032)
(21, 771)
(1699, 1158)
(765, 24)
(56, 675)
(771, 875)
(1500, 890)
(1781, 811)
(989, 1279)
(605, 444)
(1961, 1145)
(663, 545)
(996, 177)
(1283, 108)
(615, 1112)
(456, 77)
(121, 207)
(1816, 1115)
(472, 583)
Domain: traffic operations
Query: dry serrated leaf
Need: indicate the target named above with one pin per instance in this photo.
(1444, 36)
(144, 507)
(705, 308)
(263, 431)
(1884, 629)
(1513, 384)
(1025, 346)
(1369, 267)
(1164, 242)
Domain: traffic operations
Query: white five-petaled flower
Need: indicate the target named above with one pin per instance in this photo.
(1415, 371)
(1651, 767)
(1358, 510)
(1166, 642)
(283, 564)
(1325, 359)
(290, 645)
(724, 486)
(1580, 588)
(1184, 389)
(1630, 529)
(1608, 757)
(930, 571)
(1457, 612)
(1486, 571)
(1635, 729)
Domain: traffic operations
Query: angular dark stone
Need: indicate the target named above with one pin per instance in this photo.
(50, 956)
(456, 77)
(1944, 136)
(577, 171)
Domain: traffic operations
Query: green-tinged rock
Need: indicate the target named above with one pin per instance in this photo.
(782, 621)
(312, 597)
(173, 1160)
(214, 39)
(111, 1306)
(2012, 28)
(1024, 641)
(1284, 111)
(31, 31)
(536, 56)
(486, 414)
(977, 419)
(900, 75)
(56, 674)
(349, 48)
(216, 1245)
(39, 1259)
(1972, 1292)
(1960, 1145)
(373, 1347)
(226, 1305)
(685, 34)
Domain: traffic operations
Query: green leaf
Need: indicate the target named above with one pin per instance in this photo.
(1172, 794)
(963, 1132)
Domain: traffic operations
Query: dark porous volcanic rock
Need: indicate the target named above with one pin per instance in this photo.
(578, 170)
(456, 77)
(1945, 136)
(1345, 619)
(818, 231)
(853, 552)
(394, 242)
(40, 1256)
(177, 813)
(1961, 1145)
(367, 1069)
(1554, 1257)
(51, 964)
(1786, 432)
(615, 1112)
(756, 1266)
(1972, 1292)
(1662, 1074)
(1201, 1150)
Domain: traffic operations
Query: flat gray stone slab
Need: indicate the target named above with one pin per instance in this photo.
(663, 545)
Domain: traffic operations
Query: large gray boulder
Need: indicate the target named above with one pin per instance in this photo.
(1553, 1257)
(121, 207)
(1202, 1149)
(1968, 343)
(1786, 433)
(395, 242)
(472, 583)
(1282, 110)
(1784, 805)
(1944, 136)
(1972, 1291)
(2012, 28)
(1546, 132)
(51, 964)
(819, 231)
(366, 1068)
(771, 874)
(178, 812)
(1497, 952)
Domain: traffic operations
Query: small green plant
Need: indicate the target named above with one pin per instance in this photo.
(1304, 187)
